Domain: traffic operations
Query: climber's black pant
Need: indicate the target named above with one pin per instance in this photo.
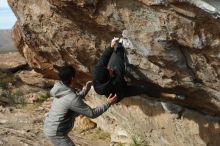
(134, 90)
(117, 61)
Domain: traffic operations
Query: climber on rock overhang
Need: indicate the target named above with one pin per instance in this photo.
(109, 72)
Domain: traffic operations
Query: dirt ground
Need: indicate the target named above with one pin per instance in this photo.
(23, 126)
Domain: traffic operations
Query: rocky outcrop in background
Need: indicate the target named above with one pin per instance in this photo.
(6, 43)
(173, 44)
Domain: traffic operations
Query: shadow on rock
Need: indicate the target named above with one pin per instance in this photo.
(199, 108)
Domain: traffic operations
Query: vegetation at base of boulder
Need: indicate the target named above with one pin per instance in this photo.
(4, 74)
(43, 96)
(119, 144)
(3, 85)
(5, 78)
(17, 93)
(13, 90)
(14, 96)
(136, 141)
(8, 79)
(99, 134)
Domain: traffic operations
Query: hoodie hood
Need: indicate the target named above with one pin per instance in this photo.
(60, 90)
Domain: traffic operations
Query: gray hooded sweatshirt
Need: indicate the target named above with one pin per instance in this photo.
(66, 106)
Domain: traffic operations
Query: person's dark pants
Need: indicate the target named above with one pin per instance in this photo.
(118, 61)
(134, 90)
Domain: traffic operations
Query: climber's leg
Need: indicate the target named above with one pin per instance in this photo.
(134, 90)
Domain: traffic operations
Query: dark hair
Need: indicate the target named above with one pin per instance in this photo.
(66, 74)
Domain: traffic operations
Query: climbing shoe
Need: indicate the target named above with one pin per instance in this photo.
(181, 97)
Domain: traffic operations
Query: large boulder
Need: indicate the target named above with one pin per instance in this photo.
(172, 43)
(149, 122)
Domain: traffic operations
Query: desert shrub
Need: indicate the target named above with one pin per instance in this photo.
(44, 96)
(136, 141)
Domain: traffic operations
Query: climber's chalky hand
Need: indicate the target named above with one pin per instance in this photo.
(114, 41)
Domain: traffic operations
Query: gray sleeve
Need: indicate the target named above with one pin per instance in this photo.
(82, 93)
(82, 108)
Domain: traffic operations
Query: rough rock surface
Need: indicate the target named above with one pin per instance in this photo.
(12, 61)
(36, 79)
(147, 121)
(174, 44)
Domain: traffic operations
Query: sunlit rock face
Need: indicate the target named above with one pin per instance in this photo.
(172, 43)
(156, 123)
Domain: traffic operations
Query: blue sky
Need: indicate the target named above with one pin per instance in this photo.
(7, 17)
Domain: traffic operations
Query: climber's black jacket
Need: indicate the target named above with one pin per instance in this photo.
(103, 83)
